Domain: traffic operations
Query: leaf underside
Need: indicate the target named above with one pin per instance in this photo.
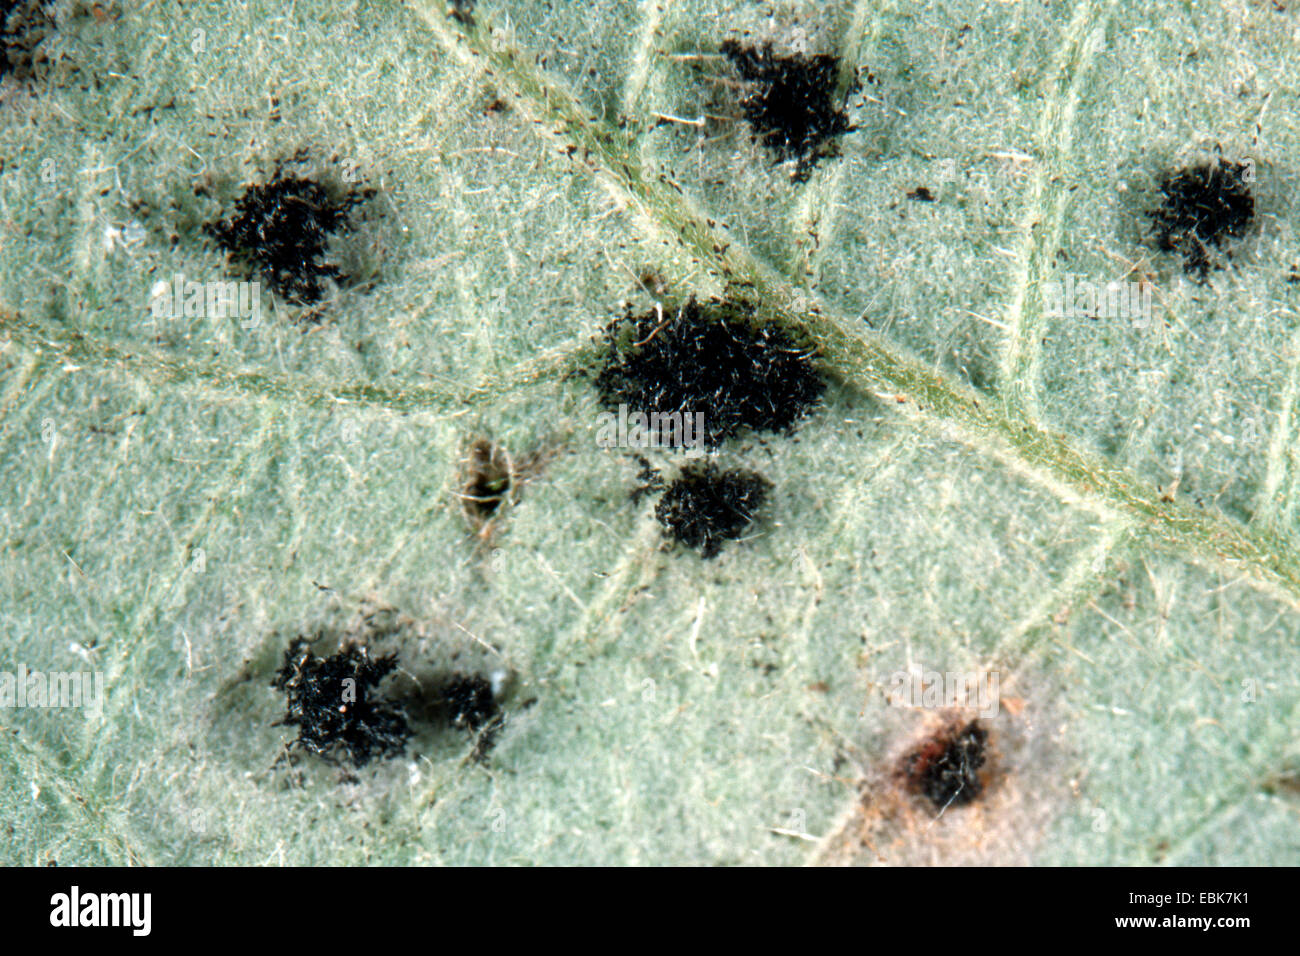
(1103, 515)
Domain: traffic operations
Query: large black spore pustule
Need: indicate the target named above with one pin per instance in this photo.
(710, 358)
(336, 705)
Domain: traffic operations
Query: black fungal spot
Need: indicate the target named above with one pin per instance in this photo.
(1203, 206)
(492, 478)
(469, 700)
(795, 109)
(706, 506)
(333, 701)
(712, 359)
(945, 770)
(23, 25)
(344, 715)
(921, 194)
(281, 230)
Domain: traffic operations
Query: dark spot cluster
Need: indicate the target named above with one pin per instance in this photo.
(709, 358)
(23, 25)
(281, 230)
(462, 11)
(341, 711)
(335, 704)
(795, 106)
(945, 769)
(706, 506)
(1203, 206)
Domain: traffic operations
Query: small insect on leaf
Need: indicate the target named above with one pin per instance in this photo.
(487, 481)
(470, 700)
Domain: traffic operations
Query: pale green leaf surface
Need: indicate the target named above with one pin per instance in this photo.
(1008, 513)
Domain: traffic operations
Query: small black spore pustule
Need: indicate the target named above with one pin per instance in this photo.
(281, 229)
(335, 704)
(711, 359)
(1203, 206)
(706, 506)
(947, 771)
(795, 107)
(469, 700)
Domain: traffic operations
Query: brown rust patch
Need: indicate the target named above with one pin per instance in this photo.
(956, 787)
